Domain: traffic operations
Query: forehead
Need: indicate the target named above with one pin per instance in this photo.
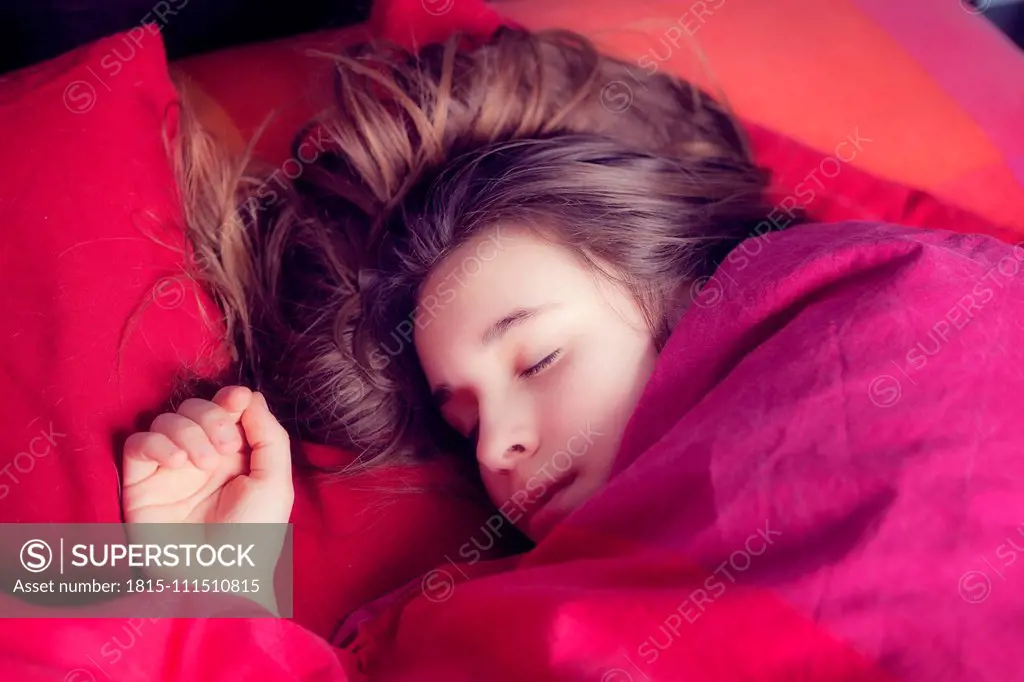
(491, 274)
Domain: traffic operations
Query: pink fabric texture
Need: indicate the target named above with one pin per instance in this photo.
(822, 481)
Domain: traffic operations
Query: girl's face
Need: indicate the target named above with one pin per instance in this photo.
(537, 359)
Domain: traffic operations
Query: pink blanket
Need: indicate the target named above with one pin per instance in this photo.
(823, 481)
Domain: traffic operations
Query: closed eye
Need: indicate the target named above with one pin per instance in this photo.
(474, 433)
(541, 366)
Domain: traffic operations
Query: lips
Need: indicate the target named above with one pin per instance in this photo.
(552, 491)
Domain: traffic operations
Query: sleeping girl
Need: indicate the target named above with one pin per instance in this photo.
(492, 264)
(488, 255)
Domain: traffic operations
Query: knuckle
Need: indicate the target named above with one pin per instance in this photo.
(137, 441)
(165, 420)
(200, 411)
(192, 405)
(172, 423)
(226, 391)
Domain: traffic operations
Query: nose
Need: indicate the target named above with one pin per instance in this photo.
(506, 438)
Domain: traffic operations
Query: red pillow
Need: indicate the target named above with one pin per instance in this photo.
(92, 255)
(99, 320)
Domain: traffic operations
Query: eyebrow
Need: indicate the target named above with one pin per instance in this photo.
(514, 318)
(492, 334)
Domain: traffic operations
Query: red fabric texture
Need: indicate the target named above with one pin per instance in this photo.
(831, 189)
(413, 23)
(99, 321)
(92, 246)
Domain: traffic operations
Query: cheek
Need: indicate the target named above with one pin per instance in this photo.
(595, 402)
(603, 387)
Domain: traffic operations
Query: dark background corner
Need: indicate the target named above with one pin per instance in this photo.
(32, 31)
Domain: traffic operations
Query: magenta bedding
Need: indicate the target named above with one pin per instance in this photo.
(823, 481)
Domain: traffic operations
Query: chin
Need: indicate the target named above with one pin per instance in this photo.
(540, 524)
(537, 530)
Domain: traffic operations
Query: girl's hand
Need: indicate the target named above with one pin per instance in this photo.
(221, 461)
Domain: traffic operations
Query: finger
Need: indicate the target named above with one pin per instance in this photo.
(234, 399)
(271, 458)
(189, 436)
(154, 447)
(220, 426)
(144, 452)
